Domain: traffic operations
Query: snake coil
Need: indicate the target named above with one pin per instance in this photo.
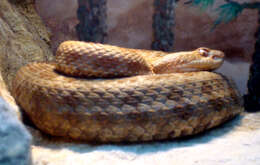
(144, 107)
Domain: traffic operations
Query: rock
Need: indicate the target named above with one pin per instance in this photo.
(5, 94)
(14, 138)
(24, 38)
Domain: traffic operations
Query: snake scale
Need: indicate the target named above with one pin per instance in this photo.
(137, 98)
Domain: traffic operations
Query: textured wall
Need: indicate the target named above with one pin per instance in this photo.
(236, 39)
(130, 25)
(61, 18)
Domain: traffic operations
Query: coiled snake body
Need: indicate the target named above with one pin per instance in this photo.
(153, 104)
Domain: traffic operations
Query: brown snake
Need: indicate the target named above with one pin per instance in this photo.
(153, 104)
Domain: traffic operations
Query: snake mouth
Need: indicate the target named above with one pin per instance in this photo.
(217, 58)
(204, 64)
(203, 59)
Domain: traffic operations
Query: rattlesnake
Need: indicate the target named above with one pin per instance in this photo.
(152, 104)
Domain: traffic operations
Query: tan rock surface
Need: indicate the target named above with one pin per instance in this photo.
(23, 37)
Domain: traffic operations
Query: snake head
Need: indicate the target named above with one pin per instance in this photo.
(201, 59)
(208, 59)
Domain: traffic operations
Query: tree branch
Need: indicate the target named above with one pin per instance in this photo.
(253, 5)
(229, 1)
(188, 2)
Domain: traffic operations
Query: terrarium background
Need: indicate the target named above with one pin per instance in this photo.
(130, 25)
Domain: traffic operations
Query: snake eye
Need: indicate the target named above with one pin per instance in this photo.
(204, 52)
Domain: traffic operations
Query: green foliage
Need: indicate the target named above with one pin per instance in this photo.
(228, 12)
